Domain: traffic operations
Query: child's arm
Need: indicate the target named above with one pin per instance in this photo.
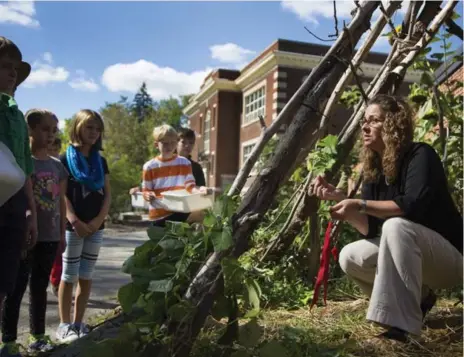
(95, 223)
(31, 214)
(63, 188)
(81, 229)
(147, 184)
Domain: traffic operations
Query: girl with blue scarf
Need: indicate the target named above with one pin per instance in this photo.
(87, 205)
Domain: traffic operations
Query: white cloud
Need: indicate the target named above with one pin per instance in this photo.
(162, 82)
(84, 83)
(19, 13)
(47, 57)
(231, 53)
(310, 10)
(43, 73)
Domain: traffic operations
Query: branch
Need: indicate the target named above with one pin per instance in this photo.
(454, 28)
(360, 56)
(262, 122)
(316, 36)
(389, 21)
(292, 104)
(335, 20)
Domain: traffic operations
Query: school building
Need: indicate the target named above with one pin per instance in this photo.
(225, 112)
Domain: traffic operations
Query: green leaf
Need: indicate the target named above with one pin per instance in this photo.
(181, 310)
(253, 296)
(427, 79)
(250, 333)
(437, 56)
(209, 220)
(161, 286)
(220, 308)
(273, 349)
(156, 233)
(128, 265)
(233, 274)
(240, 353)
(222, 240)
(128, 295)
(171, 244)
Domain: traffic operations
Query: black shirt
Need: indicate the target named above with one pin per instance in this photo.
(86, 204)
(421, 191)
(197, 172)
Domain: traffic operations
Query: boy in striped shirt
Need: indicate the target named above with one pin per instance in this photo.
(167, 172)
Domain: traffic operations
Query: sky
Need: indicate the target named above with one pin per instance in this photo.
(84, 54)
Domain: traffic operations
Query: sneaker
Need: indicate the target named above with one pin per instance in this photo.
(41, 343)
(83, 329)
(10, 349)
(66, 333)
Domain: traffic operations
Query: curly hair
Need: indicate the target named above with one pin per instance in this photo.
(397, 135)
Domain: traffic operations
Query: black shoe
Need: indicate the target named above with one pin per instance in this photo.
(428, 303)
(396, 334)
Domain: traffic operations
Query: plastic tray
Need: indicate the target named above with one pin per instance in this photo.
(137, 201)
(182, 201)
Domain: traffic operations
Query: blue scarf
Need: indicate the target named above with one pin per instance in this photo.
(91, 176)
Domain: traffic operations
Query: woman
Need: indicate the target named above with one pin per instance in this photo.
(412, 229)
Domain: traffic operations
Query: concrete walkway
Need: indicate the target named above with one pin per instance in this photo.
(118, 244)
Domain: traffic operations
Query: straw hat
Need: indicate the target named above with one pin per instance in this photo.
(8, 46)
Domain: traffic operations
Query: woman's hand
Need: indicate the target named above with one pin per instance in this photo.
(327, 192)
(346, 210)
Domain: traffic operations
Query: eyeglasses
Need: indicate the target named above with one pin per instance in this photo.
(373, 123)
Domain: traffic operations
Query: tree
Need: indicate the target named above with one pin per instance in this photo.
(142, 103)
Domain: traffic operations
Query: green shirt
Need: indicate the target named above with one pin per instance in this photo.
(13, 132)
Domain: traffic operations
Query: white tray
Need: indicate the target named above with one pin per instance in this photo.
(182, 201)
(137, 201)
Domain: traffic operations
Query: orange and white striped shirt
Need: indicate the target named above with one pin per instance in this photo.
(160, 175)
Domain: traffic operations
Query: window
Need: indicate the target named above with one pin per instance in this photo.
(206, 131)
(255, 104)
(246, 152)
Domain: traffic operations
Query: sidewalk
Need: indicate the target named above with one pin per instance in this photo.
(118, 244)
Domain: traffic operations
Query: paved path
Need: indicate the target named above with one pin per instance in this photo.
(118, 244)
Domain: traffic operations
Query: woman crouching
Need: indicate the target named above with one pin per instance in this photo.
(413, 231)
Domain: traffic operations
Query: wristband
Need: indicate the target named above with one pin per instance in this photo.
(363, 207)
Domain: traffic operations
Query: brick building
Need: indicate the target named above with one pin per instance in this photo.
(449, 73)
(225, 112)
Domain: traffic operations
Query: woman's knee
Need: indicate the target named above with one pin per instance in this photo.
(359, 255)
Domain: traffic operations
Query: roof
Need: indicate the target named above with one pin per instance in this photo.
(448, 67)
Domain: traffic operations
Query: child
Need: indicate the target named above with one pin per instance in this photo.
(184, 148)
(49, 185)
(87, 205)
(55, 275)
(167, 172)
(18, 220)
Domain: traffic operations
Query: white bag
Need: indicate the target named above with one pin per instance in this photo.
(12, 177)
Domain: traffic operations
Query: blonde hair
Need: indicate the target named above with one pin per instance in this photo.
(164, 131)
(397, 135)
(79, 120)
(34, 116)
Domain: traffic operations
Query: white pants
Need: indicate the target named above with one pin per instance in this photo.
(393, 269)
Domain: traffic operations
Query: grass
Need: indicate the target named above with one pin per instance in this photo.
(338, 330)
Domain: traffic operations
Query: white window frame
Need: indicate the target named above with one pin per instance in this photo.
(250, 143)
(207, 132)
(253, 115)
